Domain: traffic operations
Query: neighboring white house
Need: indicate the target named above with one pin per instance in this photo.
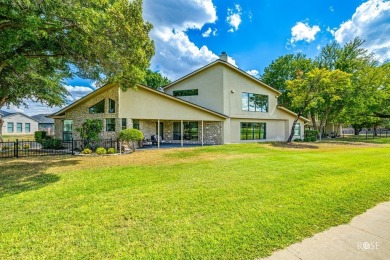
(18, 123)
(45, 123)
(216, 104)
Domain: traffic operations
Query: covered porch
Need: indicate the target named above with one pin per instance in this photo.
(179, 133)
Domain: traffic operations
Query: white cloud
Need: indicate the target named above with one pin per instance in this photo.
(331, 8)
(209, 32)
(34, 108)
(331, 31)
(234, 18)
(303, 32)
(253, 73)
(176, 55)
(371, 22)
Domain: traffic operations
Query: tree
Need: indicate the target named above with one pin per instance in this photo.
(155, 80)
(285, 68)
(131, 136)
(319, 88)
(43, 42)
(90, 130)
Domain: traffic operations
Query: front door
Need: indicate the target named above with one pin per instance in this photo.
(161, 130)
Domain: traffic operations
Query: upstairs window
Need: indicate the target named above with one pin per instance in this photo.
(254, 102)
(183, 93)
(97, 108)
(111, 106)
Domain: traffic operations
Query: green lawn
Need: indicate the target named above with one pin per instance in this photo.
(226, 202)
(361, 138)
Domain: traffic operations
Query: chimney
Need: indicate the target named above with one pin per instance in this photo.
(223, 56)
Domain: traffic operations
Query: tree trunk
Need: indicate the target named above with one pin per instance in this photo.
(313, 120)
(293, 128)
(1, 129)
(375, 132)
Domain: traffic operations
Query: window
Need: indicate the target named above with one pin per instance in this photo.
(10, 127)
(136, 124)
(19, 127)
(67, 132)
(27, 127)
(97, 108)
(124, 123)
(252, 131)
(110, 124)
(190, 131)
(254, 102)
(111, 106)
(188, 92)
(297, 129)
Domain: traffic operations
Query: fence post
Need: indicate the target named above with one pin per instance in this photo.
(72, 147)
(17, 148)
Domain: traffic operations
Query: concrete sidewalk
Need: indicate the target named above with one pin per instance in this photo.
(367, 236)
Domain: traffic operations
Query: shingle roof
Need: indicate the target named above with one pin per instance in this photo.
(42, 118)
(5, 113)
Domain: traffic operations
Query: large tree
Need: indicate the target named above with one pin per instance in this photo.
(285, 68)
(319, 88)
(44, 42)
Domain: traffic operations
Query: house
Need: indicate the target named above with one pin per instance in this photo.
(18, 123)
(45, 123)
(216, 104)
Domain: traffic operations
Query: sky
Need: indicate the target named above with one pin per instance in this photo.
(189, 34)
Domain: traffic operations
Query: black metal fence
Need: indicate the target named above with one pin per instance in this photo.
(21, 148)
(367, 134)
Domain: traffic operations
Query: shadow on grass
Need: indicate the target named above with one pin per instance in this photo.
(295, 145)
(20, 175)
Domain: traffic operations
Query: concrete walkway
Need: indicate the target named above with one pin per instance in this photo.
(367, 236)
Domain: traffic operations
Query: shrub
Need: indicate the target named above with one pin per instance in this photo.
(40, 136)
(101, 150)
(86, 151)
(306, 139)
(26, 146)
(55, 144)
(111, 151)
(312, 135)
(6, 148)
(297, 140)
(131, 136)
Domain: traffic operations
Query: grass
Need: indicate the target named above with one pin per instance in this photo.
(361, 138)
(228, 202)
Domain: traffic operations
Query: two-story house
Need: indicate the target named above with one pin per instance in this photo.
(216, 104)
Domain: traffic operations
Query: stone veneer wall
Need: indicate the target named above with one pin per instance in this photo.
(212, 131)
(80, 113)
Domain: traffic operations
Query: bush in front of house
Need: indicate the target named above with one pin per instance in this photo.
(297, 140)
(86, 151)
(101, 151)
(26, 146)
(111, 150)
(40, 136)
(6, 148)
(55, 144)
(311, 135)
(131, 136)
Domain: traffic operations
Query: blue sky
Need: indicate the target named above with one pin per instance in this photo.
(189, 34)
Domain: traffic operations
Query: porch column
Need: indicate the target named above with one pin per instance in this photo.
(158, 133)
(181, 132)
(202, 133)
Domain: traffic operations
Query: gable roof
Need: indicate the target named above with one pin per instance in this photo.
(109, 86)
(227, 64)
(6, 114)
(43, 119)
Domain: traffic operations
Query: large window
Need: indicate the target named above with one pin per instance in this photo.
(111, 106)
(67, 133)
(10, 127)
(254, 102)
(27, 127)
(190, 131)
(19, 127)
(124, 123)
(187, 92)
(297, 129)
(110, 124)
(252, 131)
(97, 108)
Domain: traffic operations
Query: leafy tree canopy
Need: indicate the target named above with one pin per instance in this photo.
(43, 42)
(155, 80)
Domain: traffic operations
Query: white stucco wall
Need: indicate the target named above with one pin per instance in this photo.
(19, 118)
